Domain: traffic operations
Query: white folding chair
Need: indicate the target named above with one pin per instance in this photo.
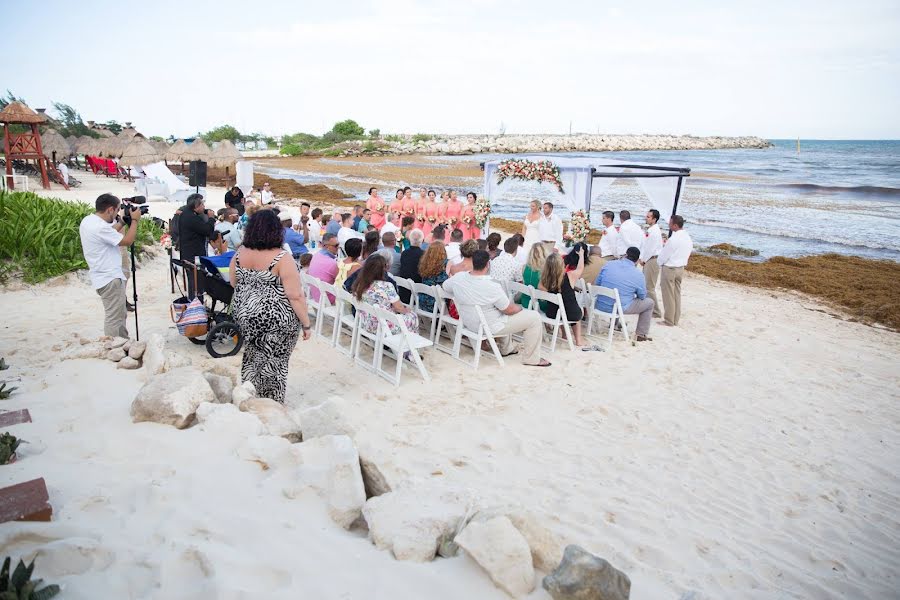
(582, 293)
(399, 344)
(617, 314)
(561, 320)
(345, 320)
(460, 331)
(312, 306)
(407, 284)
(327, 309)
(434, 291)
(371, 338)
(514, 289)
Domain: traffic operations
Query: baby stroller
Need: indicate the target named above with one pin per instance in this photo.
(223, 335)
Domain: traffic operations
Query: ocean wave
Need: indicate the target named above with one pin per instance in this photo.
(856, 189)
(796, 235)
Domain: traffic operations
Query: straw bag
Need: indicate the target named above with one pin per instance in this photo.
(189, 317)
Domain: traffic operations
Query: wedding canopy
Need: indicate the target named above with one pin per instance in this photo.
(584, 178)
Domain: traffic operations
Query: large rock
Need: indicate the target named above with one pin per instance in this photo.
(171, 398)
(501, 550)
(411, 522)
(128, 363)
(547, 546)
(330, 466)
(221, 386)
(227, 419)
(89, 350)
(325, 418)
(275, 417)
(375, 481)
(116, 354)
(268, 451)
(583, 576)
(136, 350)
(157, 359)
(242, 393)
(116, 342)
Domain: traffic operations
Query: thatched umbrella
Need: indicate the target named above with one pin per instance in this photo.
(196, 150)
(106, 133)
(225, 155)
(83, 143)
(160, 146)
(16, 112)
(139, 152)
(53, 145)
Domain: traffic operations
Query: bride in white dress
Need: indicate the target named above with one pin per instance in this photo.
(530, 230)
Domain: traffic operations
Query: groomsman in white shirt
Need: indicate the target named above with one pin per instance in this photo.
(550, 228)
(673, 258)
(630, 233)
(649, 253)
(609, 242)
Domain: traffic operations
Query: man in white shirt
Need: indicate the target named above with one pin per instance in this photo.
(314, 224)
(504, 318)
(630, 234)
(267, 196)
(506, 267)
(454, 256)
(389, 226)
(229, 229)
(101, 239)
(346, 231)
(63, 169)
(649, 253)
(609, 241)
(673, 258)
(550, 227)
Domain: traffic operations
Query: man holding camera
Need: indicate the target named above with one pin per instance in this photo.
(101, 238)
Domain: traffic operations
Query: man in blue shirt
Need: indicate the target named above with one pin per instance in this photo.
(295, 240)
(334, 225)
(623, 275)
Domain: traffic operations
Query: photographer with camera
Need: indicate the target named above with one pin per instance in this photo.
(101, 238)
(195, 228)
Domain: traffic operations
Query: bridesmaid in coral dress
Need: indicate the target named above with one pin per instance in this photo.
(420, 209)
(452, 212)
(472, 231)
(432, 214)
(407, 204)
(376, 205)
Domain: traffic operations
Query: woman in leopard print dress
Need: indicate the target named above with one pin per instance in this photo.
(268, 305)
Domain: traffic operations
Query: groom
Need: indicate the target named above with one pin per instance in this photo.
(550, 228)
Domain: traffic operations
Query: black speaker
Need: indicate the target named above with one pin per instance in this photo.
(198, 173)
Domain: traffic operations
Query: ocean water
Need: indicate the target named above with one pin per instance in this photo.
(832, 196)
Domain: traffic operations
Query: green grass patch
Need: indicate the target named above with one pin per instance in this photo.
(39, 236)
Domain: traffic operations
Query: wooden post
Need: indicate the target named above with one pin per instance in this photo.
(10, 180)
(45, 181)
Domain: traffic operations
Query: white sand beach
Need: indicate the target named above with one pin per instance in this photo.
(752, 452)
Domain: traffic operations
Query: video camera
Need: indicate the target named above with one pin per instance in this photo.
(130, 204)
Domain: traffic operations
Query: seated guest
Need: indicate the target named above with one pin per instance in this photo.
(493, 244)
(346, 231)
(557, 279)
(346, 267)
(432, 271)
(370, 244)
(324, 264)
(334, 225)
(372, 286)
(482, 245)
(506, 266)
(266, 195)
(531, 274)
(392, 225)
(439, 234)
(406, 225)
(389, 241)
(294, 239)
(304, 262)
(624, 276)
(234, 198)
(363, 224)
(466, 251)
(504, 318)
(228, 227)
(592, 265)
(357, 217)
(522, 254)
(388, 258)
(315, 226)
(409, 261)
(456, 238)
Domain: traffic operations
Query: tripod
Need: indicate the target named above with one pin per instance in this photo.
(137, 334)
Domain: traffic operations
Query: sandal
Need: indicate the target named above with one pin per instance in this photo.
(593, 348)
(544, 363)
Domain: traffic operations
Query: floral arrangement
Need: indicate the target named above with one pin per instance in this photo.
(166, 241)
(527, 170)
(579, 227)
(482, 211)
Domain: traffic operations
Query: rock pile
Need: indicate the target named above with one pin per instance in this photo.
(127, 354)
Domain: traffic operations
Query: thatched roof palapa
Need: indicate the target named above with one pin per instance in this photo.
(139, 152)
(16, 112)
(52, 141)
(224, 155)
(175, 151)
(196, 150)
(160, 146)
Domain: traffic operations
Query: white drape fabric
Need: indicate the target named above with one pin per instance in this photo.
(661, 192)
(243, 171)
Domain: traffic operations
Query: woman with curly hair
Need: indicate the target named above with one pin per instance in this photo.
(433, 271)
(268, 305)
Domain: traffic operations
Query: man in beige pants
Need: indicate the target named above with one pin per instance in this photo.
(649, 252)
(101, 240)
(504, 318)
(673, 258)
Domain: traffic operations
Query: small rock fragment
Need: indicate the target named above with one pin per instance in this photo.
(128, 363)
(137, 349)
(582, 575)
(115, 355)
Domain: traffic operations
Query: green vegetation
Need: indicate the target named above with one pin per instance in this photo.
(291, 150)
(422, 137)
(222, 132)
(20, 586)
(374, 133)
(39, 236)
(393, 138)
(332, 152)
(8, 445)
(348, 128)
(6, 392)
(370, 147)
(70, 122)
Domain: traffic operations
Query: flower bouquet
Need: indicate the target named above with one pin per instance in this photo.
(579, 227)
(527, 170)
(482, 210)
(432, 219)
(166, 241)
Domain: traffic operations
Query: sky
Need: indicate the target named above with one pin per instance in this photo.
(776, 69)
